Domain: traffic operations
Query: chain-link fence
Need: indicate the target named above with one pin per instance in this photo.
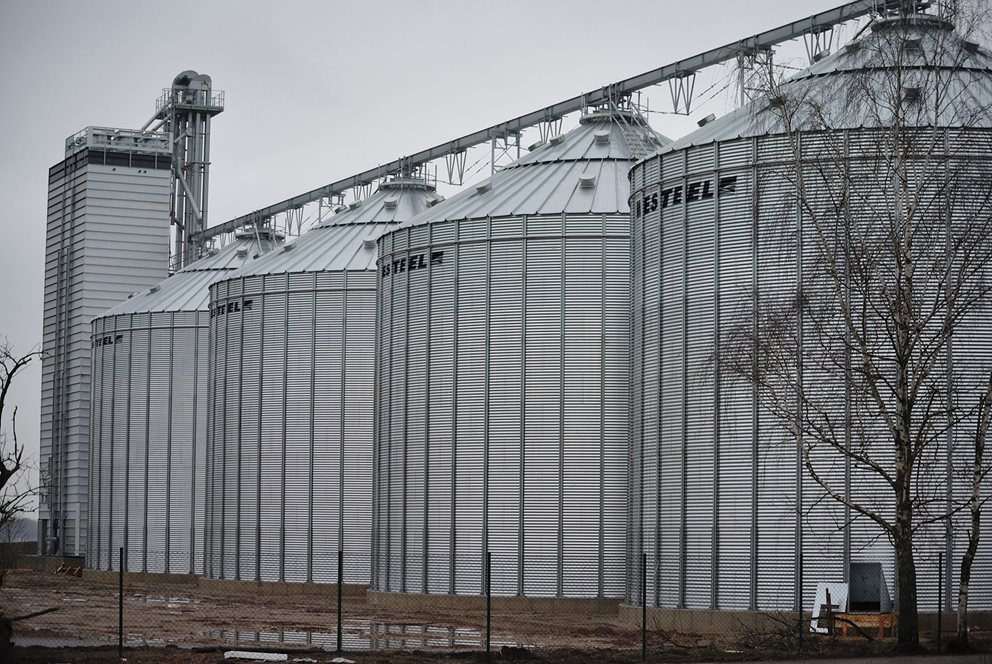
(75, 607)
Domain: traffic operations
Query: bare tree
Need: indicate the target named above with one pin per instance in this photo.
(980, 469)
(872, 363)
(15, 489)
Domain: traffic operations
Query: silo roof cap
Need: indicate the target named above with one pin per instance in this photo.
(346, 241)
(584, 171)
(852, 88)
(396, 200)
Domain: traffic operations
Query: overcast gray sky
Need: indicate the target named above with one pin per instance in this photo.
(315, 91)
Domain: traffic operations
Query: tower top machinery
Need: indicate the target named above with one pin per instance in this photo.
(185, 110)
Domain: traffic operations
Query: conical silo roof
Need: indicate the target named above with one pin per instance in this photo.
(347, 240)
(188, 289)
(581, 172)
(915, 58)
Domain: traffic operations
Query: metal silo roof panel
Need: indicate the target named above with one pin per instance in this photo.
(325, 248)
(187, 290)
(851, 88)
(340, 243)
(547, 181)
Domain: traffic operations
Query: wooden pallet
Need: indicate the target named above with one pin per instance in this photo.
(879, 625)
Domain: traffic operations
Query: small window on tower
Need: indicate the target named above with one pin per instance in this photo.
(910, 95)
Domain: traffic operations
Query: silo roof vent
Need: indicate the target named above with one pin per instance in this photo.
(355, 205)
(705, 121)
(536, 146)
(242, 252)
(369, 242)
(390, 204)
(154, 289)
(587, 180)
(288, 246)
(484, 187)
(555, 140)
(602, 137)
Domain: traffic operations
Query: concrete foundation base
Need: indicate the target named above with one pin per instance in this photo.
(48, 563)
(696, 621)
(550, 605)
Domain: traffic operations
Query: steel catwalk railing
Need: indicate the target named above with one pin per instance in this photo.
(814, 24)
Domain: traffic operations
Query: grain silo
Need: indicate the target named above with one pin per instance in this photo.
(502, 377)
(148, 424)
(290, 400)
(742, 232)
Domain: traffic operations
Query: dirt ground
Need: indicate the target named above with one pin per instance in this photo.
(189, 616)
(173, 624)
(177, 656)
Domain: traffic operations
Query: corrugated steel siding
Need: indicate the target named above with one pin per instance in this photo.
(148, 441)
(502, 406)
(95, 255)
(289, 479)
(148, 432)
(719, 499)
(289, 469)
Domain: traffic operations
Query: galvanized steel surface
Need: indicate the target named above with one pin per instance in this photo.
(346, 241)
(720, 500)
(547, 181)
(188, 289)
(502, 380)
(290, 402)
(148, 422)
(84, 276)
(844, 89)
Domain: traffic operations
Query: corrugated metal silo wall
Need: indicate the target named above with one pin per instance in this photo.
(147, 441)
(720, 501)
(502, 392)
(290, 426)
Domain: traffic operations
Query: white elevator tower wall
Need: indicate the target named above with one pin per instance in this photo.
(107, 236)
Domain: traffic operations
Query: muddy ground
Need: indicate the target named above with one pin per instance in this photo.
(165, 624)
(159, 615)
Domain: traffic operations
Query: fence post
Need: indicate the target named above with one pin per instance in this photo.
(940, 598)
(120, 604)
(644, 606)
(340, 584)
(799, 573)
(489, 602)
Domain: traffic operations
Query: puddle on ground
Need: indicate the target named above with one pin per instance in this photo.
(170, 602)
(131, 641)
(366, 635)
